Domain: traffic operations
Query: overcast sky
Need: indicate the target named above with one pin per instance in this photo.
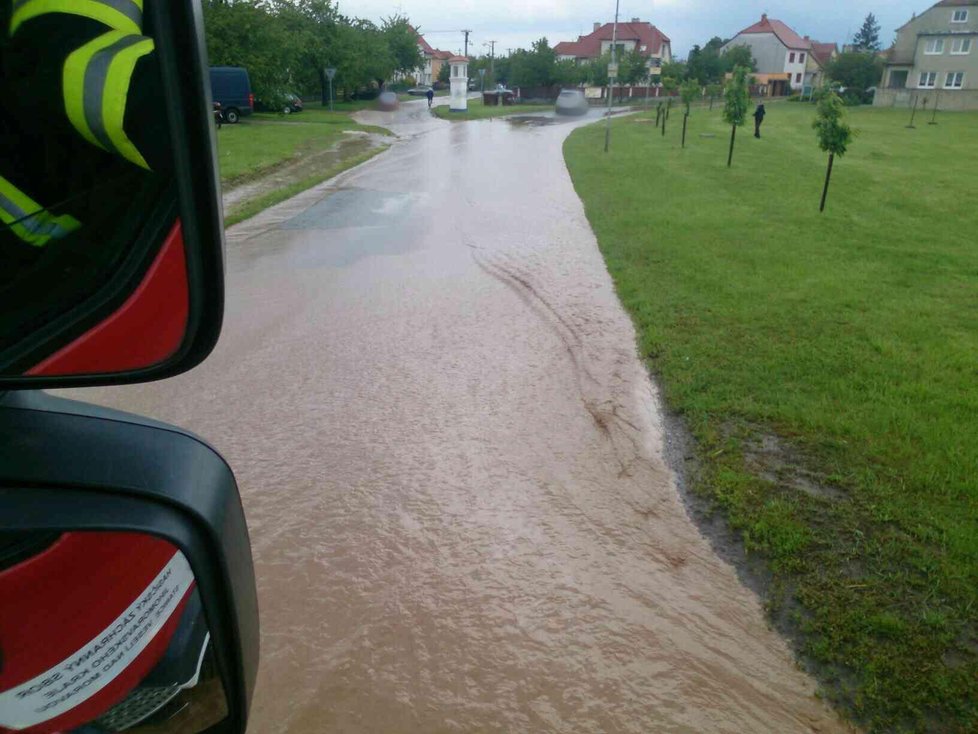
(516, 23)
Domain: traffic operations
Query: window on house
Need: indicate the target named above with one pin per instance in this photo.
(801, 58)
(797, 78)
(961, 46)
(934, 46)
(960, 16)
(928, 79)
(791, 57)
(954, 80)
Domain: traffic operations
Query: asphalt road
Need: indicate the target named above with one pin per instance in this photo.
(451, 459)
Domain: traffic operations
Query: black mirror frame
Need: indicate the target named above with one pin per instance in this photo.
(101, 469)
(182, 52)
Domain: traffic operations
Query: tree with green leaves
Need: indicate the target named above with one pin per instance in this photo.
(868, 37)
(445, 73)
(633, 67)
(247, 34)
(736, 100)
(833, 132)
(402, 43)
(855, 70)
(738, 56)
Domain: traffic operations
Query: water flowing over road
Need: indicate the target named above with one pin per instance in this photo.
(451, 459)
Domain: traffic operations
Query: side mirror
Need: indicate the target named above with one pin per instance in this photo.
(111, 230)
(127, 593)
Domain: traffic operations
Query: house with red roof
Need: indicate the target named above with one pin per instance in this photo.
(635, 35)
(818, 60)
(781, 54)
(427, 74)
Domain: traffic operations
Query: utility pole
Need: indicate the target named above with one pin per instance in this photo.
(466, 42)
(492, 56)
(611, 79)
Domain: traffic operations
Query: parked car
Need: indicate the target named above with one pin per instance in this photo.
(571, 102)
(284, 102)
(387, 102)
(231, 87)
(420, 91)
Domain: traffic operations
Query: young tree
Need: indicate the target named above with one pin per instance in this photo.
(868, 37)
(713, 91)
(690, 92)
(834, 134)
(736, 99)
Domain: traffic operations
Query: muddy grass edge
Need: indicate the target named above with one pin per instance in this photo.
(252, 207)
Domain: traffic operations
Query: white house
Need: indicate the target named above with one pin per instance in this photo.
(778, 51)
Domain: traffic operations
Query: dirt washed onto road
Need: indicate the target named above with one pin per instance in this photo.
(452, 463)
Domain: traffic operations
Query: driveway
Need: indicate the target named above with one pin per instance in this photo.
(451, 459)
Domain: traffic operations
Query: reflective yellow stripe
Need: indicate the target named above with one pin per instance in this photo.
(121, 15)
(116, 96)
(96, 81)
(28, 220)
(73, 82)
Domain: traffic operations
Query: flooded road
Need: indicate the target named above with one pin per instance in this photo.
(451, 461)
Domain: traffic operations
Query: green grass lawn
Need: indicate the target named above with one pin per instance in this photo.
(827, 369)
(258, 145)
(478, 111)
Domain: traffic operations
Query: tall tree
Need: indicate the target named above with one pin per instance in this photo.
(868, 37)
(633, 67)
(402, 43)
(855, 70)
(736, 99)
(834, 134)
(738, 56)
(247, 33)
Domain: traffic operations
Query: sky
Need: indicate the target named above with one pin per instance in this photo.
(517, 23)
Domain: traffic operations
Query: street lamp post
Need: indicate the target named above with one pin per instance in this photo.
(612, 73)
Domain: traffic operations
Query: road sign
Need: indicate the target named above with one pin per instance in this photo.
(482, 72)
(330, 72)
(612, 69)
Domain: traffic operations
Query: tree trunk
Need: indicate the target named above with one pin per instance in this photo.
(685, 118)
(733, 135)
(828, 176)
(323, 88)
(665, 117)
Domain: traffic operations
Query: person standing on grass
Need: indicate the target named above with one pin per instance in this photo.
(430, 94)
(758, 119)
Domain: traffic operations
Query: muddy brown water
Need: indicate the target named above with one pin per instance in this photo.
(451, 459)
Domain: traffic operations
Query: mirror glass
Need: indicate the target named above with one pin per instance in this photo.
(86, 190)
(103, 632)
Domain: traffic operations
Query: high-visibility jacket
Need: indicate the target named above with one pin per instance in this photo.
(70, 71)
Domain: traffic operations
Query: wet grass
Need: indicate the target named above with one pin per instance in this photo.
(827, 368)
(479, 111)
(265, 142)
(251, 207)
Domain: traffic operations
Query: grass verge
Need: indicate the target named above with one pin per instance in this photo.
(825, 366)
(252, 207)
(265, 142)
(478, 111)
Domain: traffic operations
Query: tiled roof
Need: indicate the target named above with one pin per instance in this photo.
(787, 36)
(823, 51)
(589, 46)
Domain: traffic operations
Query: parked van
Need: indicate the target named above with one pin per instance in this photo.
(231, 87)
